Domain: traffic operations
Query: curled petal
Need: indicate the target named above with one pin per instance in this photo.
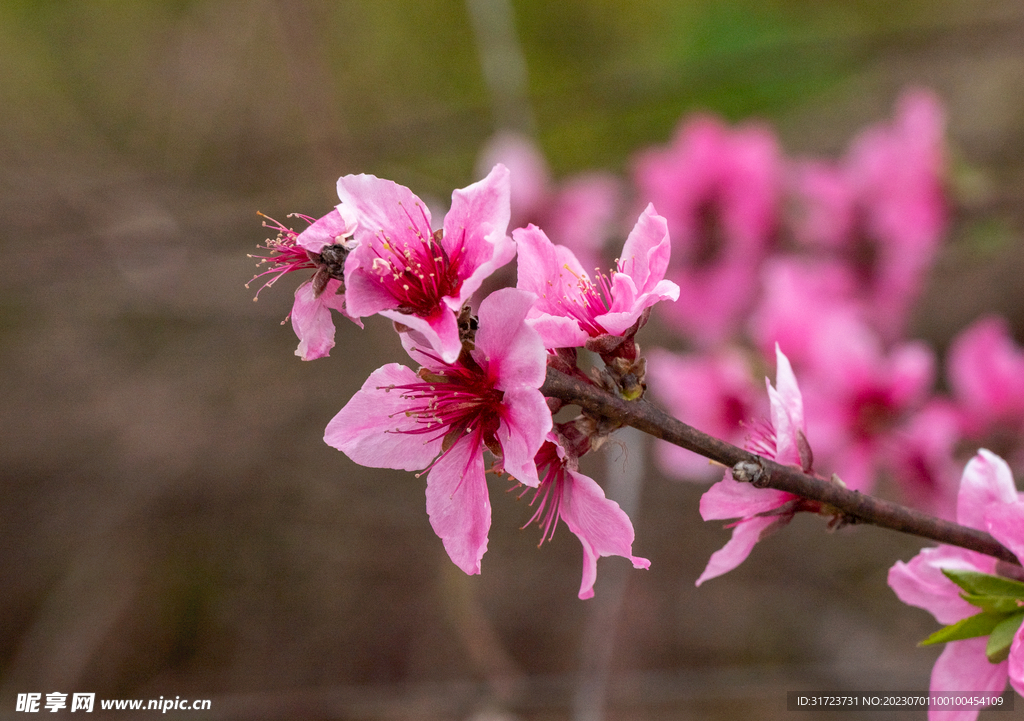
(601, 525)
(787, 410)
(440, 330)
(331, 229)
(312, 321)
(475, 228)
(640, 281)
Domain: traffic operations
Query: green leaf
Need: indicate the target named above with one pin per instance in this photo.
(980, 625)
(995, 604)
(998, 648)
(982, 584)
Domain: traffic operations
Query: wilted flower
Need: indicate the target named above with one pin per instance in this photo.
(322, 248)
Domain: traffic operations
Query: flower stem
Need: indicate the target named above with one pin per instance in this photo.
(854, 506)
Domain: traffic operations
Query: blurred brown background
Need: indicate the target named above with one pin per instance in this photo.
(171, 522)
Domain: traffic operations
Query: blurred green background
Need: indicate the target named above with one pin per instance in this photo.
(172, 523)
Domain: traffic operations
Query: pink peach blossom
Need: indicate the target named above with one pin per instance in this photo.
(882, 209)
(988, 500)
(322, 248)
(418, 277)
(761, 511)
(443, 417)
(719, 188)
(601, 525)
(986, 374)
(571, 308)
(859, 394)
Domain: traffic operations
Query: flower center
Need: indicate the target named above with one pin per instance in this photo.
(874, 414)
(452, 403)
(585, 299)
(547, 495)
(417, 270)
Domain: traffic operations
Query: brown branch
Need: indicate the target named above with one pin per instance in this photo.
(855, 506)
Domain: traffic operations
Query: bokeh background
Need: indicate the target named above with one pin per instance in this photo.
(171, 523)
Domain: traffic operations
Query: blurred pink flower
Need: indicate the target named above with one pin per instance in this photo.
(923, 459)
(719, 190)
(882, 209)
(322, 248)
(761, 510)
(989, 501)
(579, 212)
(714, 392)
(413, 275)
(570, 307)
(443, 417)
(858, 396)
(800, 297)
(986, 374)
(601, 525)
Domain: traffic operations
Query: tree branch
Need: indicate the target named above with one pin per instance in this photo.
(856, 506)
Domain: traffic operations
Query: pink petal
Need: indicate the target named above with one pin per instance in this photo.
(476, 227)
(731, 499)
(552, 273)
(440, 330)
(1006, 524)
(458, 503)
(639, 281)
(525, 422)
(381, 206)
(787, 411)
(1016, 661)
(331, 229)
(922, 584)
(511, 350)
(745, 535)
(559, 332)
(372, 428)
(986, 480)
(601, 525)
(365, 295)
(964, 670)
(528, 172)
(647, 250)
(312, 321)
(911, 372)
(986, 371)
